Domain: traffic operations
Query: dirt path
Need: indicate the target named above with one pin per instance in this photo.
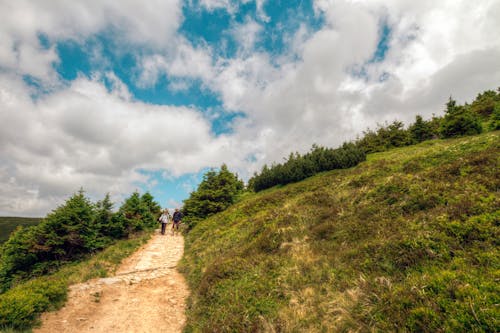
(147, 294)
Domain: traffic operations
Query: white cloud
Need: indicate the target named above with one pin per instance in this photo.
(152, 23)
(246, 34)
(87, 136)
(184, 61)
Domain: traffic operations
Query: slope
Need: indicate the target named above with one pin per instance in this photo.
(10, 223)
(406, 241)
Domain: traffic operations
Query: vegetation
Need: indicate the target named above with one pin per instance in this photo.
(299, 167)
(405, 241)
(458, 120)
(216, 192)
(9, 224)
(70, 232)
(21, 306)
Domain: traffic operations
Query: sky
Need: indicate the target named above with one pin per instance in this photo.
(118, 96)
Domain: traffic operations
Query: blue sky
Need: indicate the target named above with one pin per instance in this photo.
(118, 96)
(201, 26)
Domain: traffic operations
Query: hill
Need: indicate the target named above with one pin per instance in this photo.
(406, 241)
(9, 224)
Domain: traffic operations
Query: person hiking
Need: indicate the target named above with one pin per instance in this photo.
(164, 220)
(177, 220)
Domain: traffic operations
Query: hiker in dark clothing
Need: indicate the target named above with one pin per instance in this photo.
(177, 219)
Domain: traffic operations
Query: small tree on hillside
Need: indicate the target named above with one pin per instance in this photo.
(459, 121)
(420, 130)
(484, 104)
(495, 118)
(136, 213)
(216, 192)
(152, 205)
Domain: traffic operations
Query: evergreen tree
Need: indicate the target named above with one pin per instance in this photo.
(484, 104)
(153, 206)
(104, 219)
(420, 130)
(459, 121)
(495, 118)
(133, 211)
(216, 192)
(73, 227)
(65, 234)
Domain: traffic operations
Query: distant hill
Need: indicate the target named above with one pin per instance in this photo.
(8, 224)
(406, 241)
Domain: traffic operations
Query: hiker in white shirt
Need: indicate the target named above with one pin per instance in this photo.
(164, 220)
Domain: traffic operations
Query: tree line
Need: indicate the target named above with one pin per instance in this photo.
(458, 120)
(298, 167)
(219, 190)
(74, 229)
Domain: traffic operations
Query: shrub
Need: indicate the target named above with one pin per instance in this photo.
(21, 306)
(459, 121)
(421, 130)
(216, 192)
(72, 230)
(495, 118)
(299, 167)
(384, 138)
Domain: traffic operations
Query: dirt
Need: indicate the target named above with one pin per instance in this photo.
(147, 294)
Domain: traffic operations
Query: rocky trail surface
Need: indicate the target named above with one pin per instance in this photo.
(146, 294)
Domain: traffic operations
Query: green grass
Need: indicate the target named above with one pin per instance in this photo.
(9, 224)
(21, 306)
(406, 241)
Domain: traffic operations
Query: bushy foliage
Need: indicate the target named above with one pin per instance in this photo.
(21, 306)
(298, 167)
(76, 228)
(421, 130)
(385, 137)
(485, 103)
(459, 121)
(217, 191)
(495, 119)
(138, 212)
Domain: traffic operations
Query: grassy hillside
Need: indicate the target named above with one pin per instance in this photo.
(8, 224)
(406, 241)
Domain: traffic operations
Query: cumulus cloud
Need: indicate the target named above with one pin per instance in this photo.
(88, 136)
(337, 89)
(151, 23)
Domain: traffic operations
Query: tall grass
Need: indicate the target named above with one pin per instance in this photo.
(406, 241)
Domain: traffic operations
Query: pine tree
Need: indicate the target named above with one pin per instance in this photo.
(216, 192)
(420, 130)
(459, 121)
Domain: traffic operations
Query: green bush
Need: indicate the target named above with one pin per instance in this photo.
(421, 130)
(69, 232)
(216, 192)
(299, 167)
(459, 121)
(21, 306)
(495, 118)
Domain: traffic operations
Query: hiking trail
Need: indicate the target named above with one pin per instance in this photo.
(146, 294)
